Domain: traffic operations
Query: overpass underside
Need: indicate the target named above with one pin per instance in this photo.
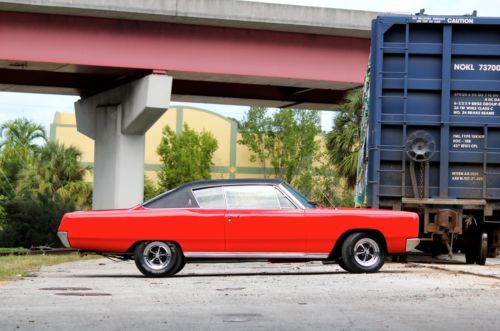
(128, 71)
(59, 78)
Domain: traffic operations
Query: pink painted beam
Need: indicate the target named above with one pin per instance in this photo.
(181, 48)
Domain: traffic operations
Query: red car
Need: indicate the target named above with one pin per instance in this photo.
(239, 219)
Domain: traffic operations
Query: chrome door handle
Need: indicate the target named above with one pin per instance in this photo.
(230, 218)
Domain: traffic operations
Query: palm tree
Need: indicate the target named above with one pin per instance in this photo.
(18, 143)
(21, 135)
(56, 173)
(343, 142)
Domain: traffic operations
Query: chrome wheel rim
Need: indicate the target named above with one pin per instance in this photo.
(157, 255)
(367, 252)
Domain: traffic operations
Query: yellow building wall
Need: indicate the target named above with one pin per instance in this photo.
(231, 160)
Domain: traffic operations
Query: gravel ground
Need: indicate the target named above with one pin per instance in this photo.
(106, 295)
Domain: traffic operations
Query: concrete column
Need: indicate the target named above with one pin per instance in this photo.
(117, 120)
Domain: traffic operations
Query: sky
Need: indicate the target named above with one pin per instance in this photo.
(42, 107)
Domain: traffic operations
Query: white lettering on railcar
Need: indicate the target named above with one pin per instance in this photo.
(464, 66)
(475, 104)
(461, 20)
(489, 67)
(468, 176)
(467, 141)
(471, 67)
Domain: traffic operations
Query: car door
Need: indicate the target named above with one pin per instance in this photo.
(260, 219)
(206, 233)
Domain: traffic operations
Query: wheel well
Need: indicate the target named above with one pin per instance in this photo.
(134, 245)
(336, 251)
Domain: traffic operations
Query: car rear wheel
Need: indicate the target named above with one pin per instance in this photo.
(342, 264)
(158, 258)
(362, 252)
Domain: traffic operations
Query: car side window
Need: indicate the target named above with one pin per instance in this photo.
(251, 197)
(210, 198)
(283, 200)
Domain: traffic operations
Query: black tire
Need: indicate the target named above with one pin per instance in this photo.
(362, 253)
(471, 248)
(476, 250)
(482, 249)
(181, 266)
(158, 258)
(470, 255)
(342, 264)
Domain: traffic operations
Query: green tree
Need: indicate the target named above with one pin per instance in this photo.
(185, 156)
(3, 214)
(343, 142)
(49, 186)
(57, 173)
(32, 221)
(150, 189)
(17, 146)
(329, 189)
(256, 132)
(283, 141)
(20, 135)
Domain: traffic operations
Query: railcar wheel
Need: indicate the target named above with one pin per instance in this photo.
(470, 249)
(158, 258)
(476, 250)
(361, 252)
(470, 256)
(483, 249)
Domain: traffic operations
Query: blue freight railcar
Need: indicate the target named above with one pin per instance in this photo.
(434, 128)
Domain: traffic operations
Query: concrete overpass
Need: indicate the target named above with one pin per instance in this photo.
(128, 59)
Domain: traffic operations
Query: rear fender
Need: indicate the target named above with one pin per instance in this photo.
(134, 245)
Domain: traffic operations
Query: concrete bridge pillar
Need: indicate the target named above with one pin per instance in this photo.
(117, 120)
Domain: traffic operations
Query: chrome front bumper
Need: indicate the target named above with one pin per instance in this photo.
(63, 237)
(412, 243)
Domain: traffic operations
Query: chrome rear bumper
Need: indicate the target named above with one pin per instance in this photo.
(63, 237)
(411, 243)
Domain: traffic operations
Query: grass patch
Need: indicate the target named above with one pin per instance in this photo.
(12, 249)
(12, 267)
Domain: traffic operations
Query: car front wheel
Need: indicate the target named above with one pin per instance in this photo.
(158, 258)
(362, 252)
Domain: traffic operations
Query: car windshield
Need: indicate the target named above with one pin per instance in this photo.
(299, 196)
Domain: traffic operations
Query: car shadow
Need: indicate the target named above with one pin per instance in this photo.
(236, 274)
(257, 274)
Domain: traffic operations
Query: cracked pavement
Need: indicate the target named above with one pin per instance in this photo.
(105, 295)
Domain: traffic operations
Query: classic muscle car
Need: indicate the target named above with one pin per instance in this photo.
(239, 219)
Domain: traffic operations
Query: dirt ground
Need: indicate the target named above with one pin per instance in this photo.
(105, 295)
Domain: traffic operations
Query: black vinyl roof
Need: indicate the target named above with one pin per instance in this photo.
(222, 182)
(182, 196)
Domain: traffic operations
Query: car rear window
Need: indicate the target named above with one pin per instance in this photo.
(176, 198)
